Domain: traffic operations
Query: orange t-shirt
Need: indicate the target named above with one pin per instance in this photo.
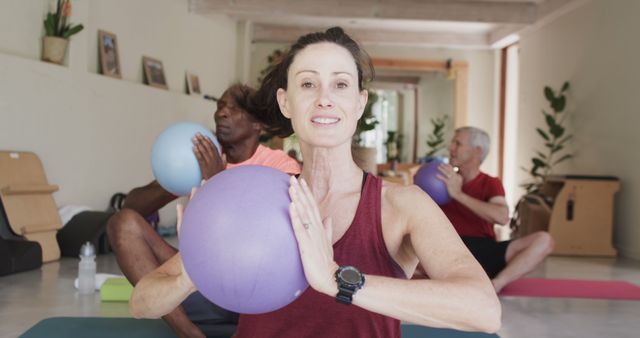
(268, 157)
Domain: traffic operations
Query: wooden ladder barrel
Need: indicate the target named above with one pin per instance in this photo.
(28, 201)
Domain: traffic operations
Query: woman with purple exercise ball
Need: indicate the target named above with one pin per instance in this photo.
(360, 239)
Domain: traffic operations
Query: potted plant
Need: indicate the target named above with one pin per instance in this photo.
(554, 139)
(272, 59)
(367, 121)
(271, 141)
(365, 156)
(532, 211)
(394, 146)
(57, 32)
(435, 140)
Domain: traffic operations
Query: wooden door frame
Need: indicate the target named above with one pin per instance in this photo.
(502, 113)
(503, 110)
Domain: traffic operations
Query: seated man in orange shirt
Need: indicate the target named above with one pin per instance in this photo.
(477, 203)
(140, 249)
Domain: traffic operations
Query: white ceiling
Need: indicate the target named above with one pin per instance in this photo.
(437, 23)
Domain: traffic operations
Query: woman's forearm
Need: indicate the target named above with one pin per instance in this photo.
(464, 304)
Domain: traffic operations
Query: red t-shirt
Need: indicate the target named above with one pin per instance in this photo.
(466, 222)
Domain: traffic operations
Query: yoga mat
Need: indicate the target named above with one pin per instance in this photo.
(64, 327)
(572, 288)
(415, 331)
(59, 327)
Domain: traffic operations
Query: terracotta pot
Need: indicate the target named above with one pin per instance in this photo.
(365, 158)
(54, 49)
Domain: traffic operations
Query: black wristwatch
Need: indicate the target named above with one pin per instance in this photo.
(349, 280)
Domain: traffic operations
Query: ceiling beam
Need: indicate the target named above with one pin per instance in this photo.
(504, 35)
(397, 79)
(287, 34)
(462, 11)
(417, 65)
(548, 11)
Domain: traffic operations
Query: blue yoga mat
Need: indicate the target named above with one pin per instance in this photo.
(59, 327)
(415, 331)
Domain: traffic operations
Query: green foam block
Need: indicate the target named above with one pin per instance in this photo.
(116, 290)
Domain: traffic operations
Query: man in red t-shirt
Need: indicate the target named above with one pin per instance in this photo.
(477, 203)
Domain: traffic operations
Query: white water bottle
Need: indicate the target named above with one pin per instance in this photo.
(87, 269)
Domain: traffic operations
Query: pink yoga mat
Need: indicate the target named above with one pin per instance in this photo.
(572, 288)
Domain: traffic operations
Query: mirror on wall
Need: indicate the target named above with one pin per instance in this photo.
(408, 101)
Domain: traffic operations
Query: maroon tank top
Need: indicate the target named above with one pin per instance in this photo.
(317, 315)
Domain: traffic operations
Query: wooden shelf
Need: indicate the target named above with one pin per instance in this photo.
(63, 70)
(29, 189)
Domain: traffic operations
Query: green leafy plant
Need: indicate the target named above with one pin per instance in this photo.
(56, 23)
(394, 145)
(554, 138)
(367, 121)
(272, 59)
(435, 140)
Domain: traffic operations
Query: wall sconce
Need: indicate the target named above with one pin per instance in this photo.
(451, 73)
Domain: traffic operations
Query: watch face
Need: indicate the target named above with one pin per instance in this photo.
(351, 275)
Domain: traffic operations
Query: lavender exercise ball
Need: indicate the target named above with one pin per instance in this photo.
(237, 243)
(427, 179)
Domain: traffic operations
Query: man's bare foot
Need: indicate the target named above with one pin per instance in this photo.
(497, 285)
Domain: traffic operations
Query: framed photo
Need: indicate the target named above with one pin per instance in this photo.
(154, 72)
(108, 51)
(193, 84)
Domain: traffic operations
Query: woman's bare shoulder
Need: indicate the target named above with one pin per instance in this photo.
(400, 196)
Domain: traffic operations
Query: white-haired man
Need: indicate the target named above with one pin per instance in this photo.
(477, 203)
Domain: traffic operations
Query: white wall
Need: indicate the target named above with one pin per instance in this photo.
(183, 41)
(244, 33)
(596, 48)
(94, 133)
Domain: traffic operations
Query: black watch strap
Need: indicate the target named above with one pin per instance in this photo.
(345, 295)
(349, 280)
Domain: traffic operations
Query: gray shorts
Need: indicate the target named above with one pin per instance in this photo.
(213, 320)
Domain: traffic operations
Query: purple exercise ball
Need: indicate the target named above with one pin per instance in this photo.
(237, 243)
(427, 179)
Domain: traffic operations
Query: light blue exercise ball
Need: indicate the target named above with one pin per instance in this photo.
(173, 162)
